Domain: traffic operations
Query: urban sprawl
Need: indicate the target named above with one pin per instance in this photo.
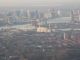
(39, 34)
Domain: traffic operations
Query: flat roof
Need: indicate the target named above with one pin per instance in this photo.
(60, 20)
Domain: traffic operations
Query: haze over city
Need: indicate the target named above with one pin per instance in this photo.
(39, 29)
(20, 3)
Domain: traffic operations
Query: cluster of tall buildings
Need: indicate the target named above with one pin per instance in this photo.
(30, 13)
(38, 16)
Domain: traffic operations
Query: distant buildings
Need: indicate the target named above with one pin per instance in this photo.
(75, 15)
(42, 29)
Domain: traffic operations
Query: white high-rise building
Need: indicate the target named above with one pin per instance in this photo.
(28, 13)
(59, 13)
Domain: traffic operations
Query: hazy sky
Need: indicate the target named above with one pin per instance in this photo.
(37, 2)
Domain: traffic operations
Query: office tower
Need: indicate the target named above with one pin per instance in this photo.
(75, 16)
(28, 14)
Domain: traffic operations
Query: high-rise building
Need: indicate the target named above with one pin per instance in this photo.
(28, 14)
(75, 16)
